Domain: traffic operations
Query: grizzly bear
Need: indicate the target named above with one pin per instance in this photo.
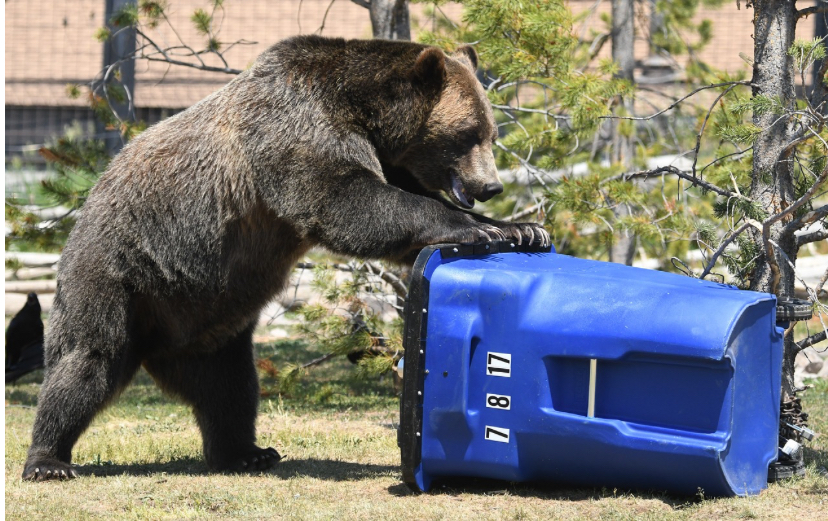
(197, 223)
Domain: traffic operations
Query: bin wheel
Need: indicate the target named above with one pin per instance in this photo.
(792, 310)
(782, 470)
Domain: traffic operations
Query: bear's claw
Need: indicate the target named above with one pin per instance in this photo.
(526, 233)
(257, 459)
(48, 469)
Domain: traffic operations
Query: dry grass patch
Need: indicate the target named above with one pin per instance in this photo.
(141, 459)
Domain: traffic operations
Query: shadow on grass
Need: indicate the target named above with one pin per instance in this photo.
(491, 487)
(815, 456)
(331, 470)
(21, 397)
(328, 470)
(183, 466)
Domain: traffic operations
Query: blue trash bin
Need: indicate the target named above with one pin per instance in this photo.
(525, 365)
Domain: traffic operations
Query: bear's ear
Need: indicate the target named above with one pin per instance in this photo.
(467, 56)
(430, 66)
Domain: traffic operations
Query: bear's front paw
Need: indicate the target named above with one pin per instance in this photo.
(42, 469)
(527, 233)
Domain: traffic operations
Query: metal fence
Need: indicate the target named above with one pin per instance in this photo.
(51, 44)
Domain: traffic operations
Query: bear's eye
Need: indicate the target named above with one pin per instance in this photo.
(468, 138)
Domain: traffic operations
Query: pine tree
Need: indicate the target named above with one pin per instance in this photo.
(758, 150)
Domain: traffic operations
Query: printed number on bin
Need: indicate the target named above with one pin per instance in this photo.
(497, 434)
(499, 364)
(498, 401)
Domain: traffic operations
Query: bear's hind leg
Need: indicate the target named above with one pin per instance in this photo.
(223, 389)
(76, 388)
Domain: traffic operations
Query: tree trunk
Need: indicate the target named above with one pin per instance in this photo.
(656, 26)
(622, 249)
(116, 48)
(389, 19)
(772, 177)
(820, 31)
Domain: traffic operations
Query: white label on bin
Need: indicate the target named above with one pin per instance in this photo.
(498, 401)
(499, 364)
(497, 434)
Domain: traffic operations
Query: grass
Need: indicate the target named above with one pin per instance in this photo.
(141, 459)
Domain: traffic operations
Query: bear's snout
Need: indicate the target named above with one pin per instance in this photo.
(489, 191)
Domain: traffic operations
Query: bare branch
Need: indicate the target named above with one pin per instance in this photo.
(821, 284)
(722, 158)
(799, 202)
(769, 245)
(596, 45)
(325, 17)
(704, 124)
(811, 340)
(209, 68)
(394, 281)
(808, 218)
(676, 172)
(535, 171)
(507, 108)
(818, 235)
(363, 3)
(722, 248)
(797, 138)
(237, 42)
(678, 101)
(816, 9)
(523, 213)
(166, 56)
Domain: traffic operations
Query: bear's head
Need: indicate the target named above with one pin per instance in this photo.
(452, 152)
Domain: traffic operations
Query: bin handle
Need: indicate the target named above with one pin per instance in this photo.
(593, 368)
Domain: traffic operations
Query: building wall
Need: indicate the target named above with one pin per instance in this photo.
(50, 43)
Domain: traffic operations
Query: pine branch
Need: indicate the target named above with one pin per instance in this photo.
(317, 361)
(764, 227)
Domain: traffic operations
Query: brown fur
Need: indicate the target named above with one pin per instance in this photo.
(197, 223)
